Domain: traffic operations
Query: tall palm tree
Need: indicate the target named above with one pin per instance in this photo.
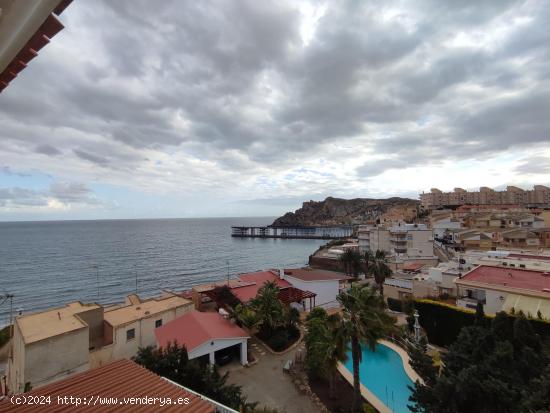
(326, 346)
(351, 260)
(364, 321)
(378, 266)
(368, 258)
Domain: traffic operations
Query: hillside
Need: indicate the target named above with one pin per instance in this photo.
(337, 211)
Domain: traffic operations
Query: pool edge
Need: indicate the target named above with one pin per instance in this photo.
(413, 375)
(370, 396)
(366, 393)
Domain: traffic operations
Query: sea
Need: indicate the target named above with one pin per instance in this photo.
(48, 264)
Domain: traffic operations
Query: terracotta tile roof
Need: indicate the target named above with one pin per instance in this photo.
(412, 266)
(261, 277)
(537, 281)
(311, 274)
(119, 379)
(196, 328)
(530, 257)
(255, 281)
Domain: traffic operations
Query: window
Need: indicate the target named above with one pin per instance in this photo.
(158, 323)
(130, 334)
(521, 265)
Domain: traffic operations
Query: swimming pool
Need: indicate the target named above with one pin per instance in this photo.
(382, 373)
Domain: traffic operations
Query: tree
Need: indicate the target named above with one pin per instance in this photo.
(247, 316)
(326, 345)
(268, 308)
(378, 266)
(497, 367)
(421, 362)
(292, 317)
(364, 321)
(351, 261)
(173, 363)
(368, 258)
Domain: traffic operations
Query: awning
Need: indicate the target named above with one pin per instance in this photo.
(529, 305)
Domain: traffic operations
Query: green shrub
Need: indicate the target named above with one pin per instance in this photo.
(395, 304)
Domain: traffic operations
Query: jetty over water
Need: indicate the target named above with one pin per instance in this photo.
(336, 232)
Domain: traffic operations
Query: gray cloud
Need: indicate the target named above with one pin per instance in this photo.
(233, 87)
(537, 165)
(66, 193)
(47, 150)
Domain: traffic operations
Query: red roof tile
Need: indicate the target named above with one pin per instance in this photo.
(119, 379)
(196, 328)
(248, 292)
(530, 257)
(311, 274)
(412, 266)
(509, 277)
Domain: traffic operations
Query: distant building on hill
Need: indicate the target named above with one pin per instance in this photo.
(539, 196)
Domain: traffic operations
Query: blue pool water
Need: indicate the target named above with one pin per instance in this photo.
(383, 374)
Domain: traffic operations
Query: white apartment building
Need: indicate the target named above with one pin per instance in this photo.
(403, 241)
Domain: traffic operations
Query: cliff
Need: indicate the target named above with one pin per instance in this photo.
(337, 211)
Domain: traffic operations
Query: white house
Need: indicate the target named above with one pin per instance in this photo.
(325, 284)
(501, 288)
(203, 334)
(51, 345)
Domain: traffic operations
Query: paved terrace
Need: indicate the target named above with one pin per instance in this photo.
(266, 383)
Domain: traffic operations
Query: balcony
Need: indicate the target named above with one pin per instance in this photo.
(398, 240)
(399, 282)
(468, 302)
(400, 250)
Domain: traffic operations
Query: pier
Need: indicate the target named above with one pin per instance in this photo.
(336, 232)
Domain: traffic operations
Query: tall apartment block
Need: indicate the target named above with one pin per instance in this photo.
(538, 197)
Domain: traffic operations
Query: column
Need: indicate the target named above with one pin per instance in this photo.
(212, 358)
(244, 353)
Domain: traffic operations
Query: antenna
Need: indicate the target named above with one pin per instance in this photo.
(227, 272)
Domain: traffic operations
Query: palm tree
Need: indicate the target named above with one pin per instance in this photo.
(368, 258)
(378, 266)
(351, 260)
(364, 320)
(247, 316)
(326, 346)
(268, 308)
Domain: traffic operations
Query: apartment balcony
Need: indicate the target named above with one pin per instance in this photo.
(398, 240)
(400, 250)
(399, 282)
(468, 302)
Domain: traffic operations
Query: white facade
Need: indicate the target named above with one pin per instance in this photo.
(210, 348)
(441, 226)
(326, 290)
(406, 240)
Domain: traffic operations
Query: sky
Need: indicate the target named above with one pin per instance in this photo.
(249, 108)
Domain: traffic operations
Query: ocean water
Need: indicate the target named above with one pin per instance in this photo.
(47, 264)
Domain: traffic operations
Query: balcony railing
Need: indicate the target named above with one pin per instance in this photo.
(469, 302)
(399, 282)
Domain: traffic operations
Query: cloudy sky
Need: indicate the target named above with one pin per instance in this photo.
(239, 108)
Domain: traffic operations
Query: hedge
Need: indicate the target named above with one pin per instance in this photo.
(443, 322)
(403, 306)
